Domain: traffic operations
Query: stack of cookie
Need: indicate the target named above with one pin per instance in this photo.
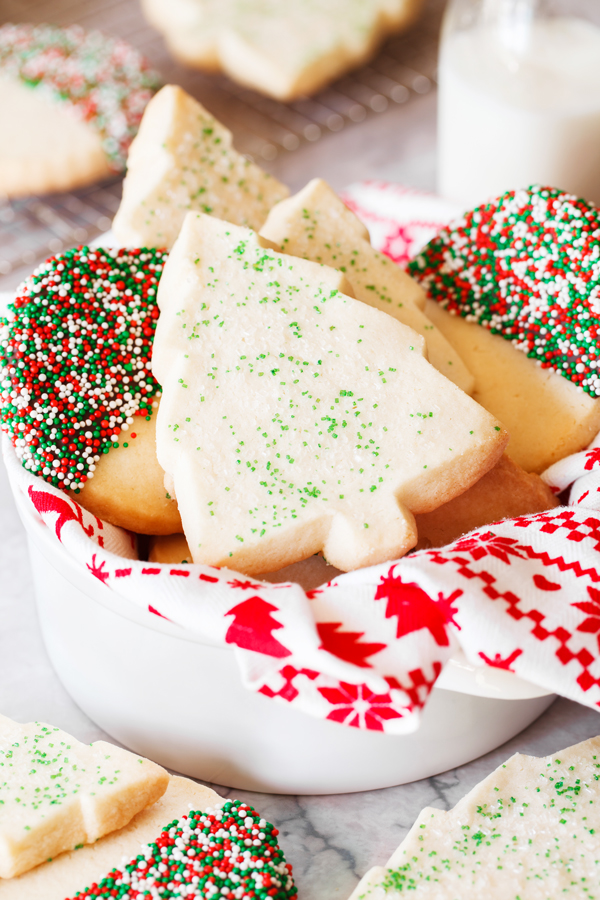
(301, 398)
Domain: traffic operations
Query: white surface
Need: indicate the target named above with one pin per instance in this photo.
(510, 119)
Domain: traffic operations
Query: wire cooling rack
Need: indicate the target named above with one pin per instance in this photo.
(264, 129)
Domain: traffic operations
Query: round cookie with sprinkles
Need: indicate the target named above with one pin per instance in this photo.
(227, 852)
(71, 102)
(75, 364)
(527, 267)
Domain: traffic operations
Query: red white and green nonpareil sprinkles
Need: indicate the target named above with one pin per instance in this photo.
(75, 359)
(526, 266)
(228, 852)
(104, 80)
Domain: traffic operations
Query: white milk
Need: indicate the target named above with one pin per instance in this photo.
(509, 119)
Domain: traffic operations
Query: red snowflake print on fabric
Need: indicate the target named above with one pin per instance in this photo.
(490, 544)
(403, 241)
(591, 625)
(415, 609)
(358, 706)
(497, 662)
(243, 585)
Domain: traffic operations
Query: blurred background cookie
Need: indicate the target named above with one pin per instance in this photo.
(71, 102)
(285, 50)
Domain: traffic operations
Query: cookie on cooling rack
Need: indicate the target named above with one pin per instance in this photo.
(285, 50)
(183, 159)
(78, 396)
(514, 286)
(71, 102)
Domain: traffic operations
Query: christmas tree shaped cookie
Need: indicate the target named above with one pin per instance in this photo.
(285, 50)
(183, 159)
(56, 793)
(295, 418)
(529, 830)
(514, 285)
(316, 225)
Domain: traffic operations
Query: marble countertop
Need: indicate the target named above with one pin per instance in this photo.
(331, 841)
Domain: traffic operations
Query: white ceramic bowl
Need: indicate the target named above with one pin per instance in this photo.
(179, 700)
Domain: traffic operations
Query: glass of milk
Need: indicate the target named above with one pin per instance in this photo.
(519, 98)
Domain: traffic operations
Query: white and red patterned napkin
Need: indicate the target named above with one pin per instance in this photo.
(366, 649)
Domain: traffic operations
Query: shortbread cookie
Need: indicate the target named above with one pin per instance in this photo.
(56, 793)
(73, 871)
(296, 419)
(521, 276)
(315, 224)
(506, 491)
(76, 381)
(128, 487)
(529, 831)
(192, 843)
(183, 159)
(309, 573)
(71, 102)
(285, 50)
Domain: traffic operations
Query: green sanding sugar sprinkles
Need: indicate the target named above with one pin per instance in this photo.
(75, 359)
(228, 852)
(527, 267)
(104, 80)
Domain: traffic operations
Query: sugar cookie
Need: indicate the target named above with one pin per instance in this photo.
(527, 830)
(72, 871)
(56, 793)
(183, 159)
(316, 225)
(506, 491)
(76, 379)
(71, 102)
(526, 268)
(294, 418)
(283, 50)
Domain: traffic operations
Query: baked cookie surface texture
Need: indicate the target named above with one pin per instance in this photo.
(529, 830)
(183, 159)
(284, 50)
(76, 869)
(525, 267)
(294, 418)
(75, 362)
(56, 793)
(71, 102)
(315, 224)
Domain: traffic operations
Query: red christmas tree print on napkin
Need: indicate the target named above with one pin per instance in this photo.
(415, 609)
(252, 628)
(346, 645)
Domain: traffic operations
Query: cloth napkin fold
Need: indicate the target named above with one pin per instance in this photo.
(366, 649)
